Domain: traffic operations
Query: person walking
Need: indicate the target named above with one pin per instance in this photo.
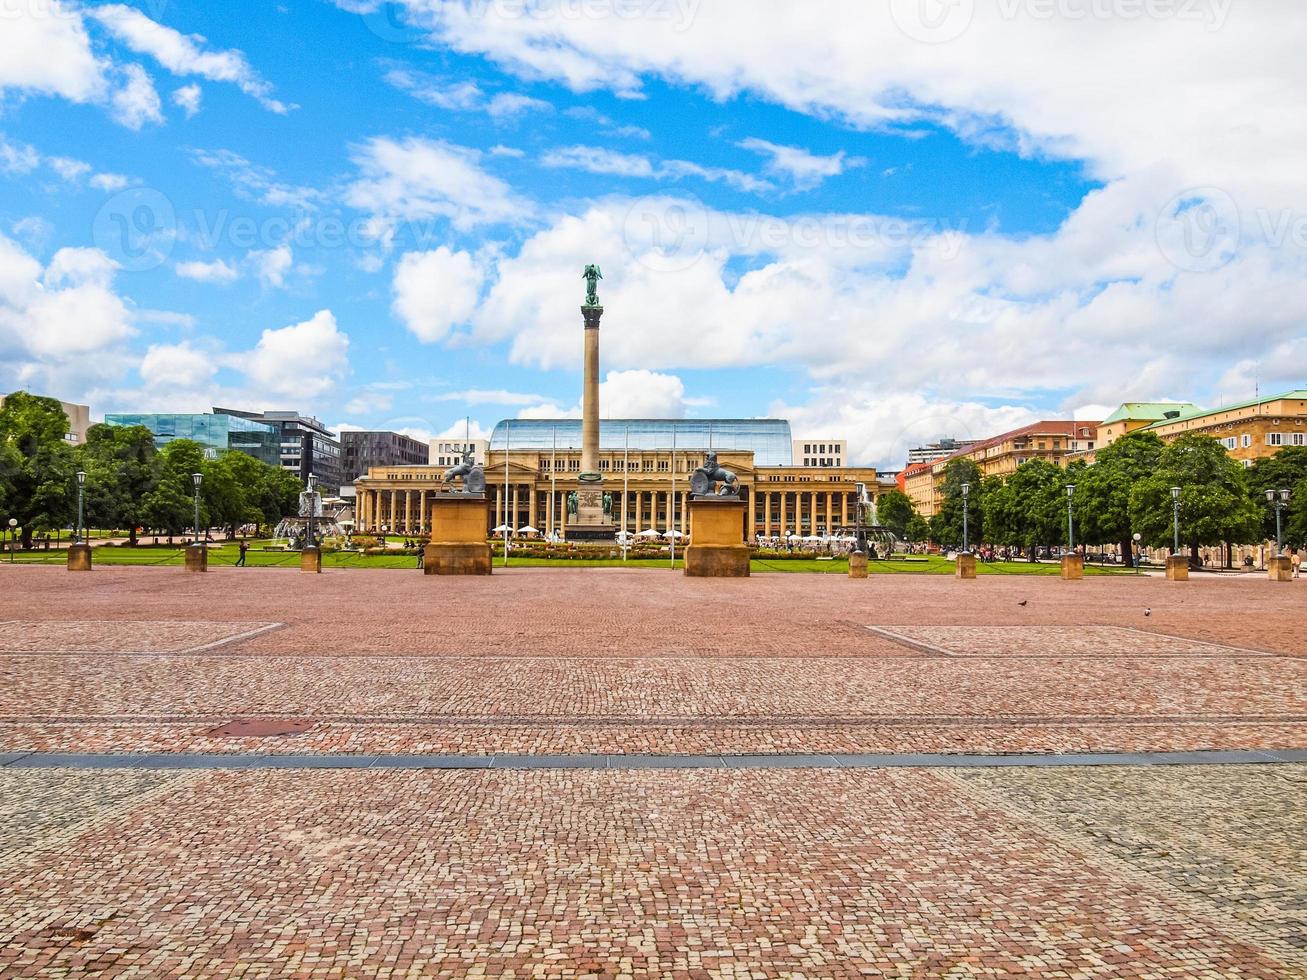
(244, 547)
(1296, 562)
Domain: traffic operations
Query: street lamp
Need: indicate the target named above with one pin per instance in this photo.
(81, 493)
(1279, 503)
(1137, 537)
(197, 479)
(966, 529)
(13, 533)
(1175, 519)
(1070, 517)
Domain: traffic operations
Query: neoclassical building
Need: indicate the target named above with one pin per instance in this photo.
(533, 464)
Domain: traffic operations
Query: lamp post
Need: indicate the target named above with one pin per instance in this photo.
(311, 538)
(1071, 517)
(1279, 503)
(1175, 518)
(81, 495)
(13, 534)
(197, 479)
(1138, 557)
(966, 528)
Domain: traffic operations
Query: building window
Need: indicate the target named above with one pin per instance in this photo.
(1275, 438)
(1247, 441)
(1299, 439)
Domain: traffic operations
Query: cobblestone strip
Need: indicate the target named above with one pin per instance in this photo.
(1056, 643)
(1205, 903)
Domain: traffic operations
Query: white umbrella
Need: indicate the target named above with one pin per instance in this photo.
(673, 534)
(528, 529)
(501, 529)
(649, 532)
(625, 534)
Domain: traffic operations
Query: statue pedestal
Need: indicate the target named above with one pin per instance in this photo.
(79, 558)
(717, 548)
(1073, 568)
(966, 565)
(857, 565)
(197, 558)
(1177, 568)
(458, 536)
(311, 560)
(590, 524)
(1280, 569)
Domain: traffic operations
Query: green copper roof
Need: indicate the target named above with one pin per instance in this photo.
(1299, 394)
(1149, 411)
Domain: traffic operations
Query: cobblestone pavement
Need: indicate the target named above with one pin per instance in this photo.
(1080, 872)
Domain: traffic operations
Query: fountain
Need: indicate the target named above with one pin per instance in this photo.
(307, 528)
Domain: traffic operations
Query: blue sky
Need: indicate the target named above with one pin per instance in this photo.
(889, 223)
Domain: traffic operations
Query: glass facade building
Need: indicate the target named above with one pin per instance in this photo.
(216, 433)
(768, 439)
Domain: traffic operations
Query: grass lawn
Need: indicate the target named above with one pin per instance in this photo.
(226, 554)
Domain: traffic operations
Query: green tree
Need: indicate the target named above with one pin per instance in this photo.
(894, 510)
(1286, 470)
(917, 529)
(37, 465)
(122, 467)
(1029, 508)
(946, 525)
(1103, 490)
(170, 504)
(1215, 506)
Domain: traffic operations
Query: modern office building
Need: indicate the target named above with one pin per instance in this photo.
(820, 452)
(79, 420)
(216, 433)
(449, 452)
(362, 451)
(646, 464)
(307, 447)
(938, 450)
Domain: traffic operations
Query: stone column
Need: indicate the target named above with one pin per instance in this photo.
(685, 511)
(531, 505)
(424, 516)
(590, 396)
(499, 507)
(784, 499)
(512, 522)
(766, 513)
(408, 511)
(844, 509)
(625, 503)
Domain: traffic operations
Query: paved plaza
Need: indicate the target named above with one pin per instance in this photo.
(630, 773)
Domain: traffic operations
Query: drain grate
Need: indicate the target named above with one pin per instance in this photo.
(260, 728)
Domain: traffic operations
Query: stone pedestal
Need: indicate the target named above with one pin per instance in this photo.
(966, 566)
(1280, 569)
(857, 565)
(458, 536)
(79, 558)
(590, 524)
(197, 558)
(717, 548)
(1177, 568)
(1073, 568)
(311, 560)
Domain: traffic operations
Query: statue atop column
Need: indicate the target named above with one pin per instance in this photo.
(592, 275)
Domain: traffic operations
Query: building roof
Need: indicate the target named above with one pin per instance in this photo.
(1060, 427)
(1298, 394)
(769, 440)
(1148, 411)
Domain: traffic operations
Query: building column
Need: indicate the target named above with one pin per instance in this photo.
(531, 505)
(812, 525)
(844, 509)
(685, 511)
(625, 495)
(424, 515)
(562, 511)
(513, 523)
(783, 498)
(830, 511)
(408, 511)
(499, 506)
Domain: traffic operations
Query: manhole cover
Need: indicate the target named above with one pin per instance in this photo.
(260, 728)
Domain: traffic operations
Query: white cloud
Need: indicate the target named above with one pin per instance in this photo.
(17, 158)
(135, 101)
(109, 183)
(184, 54)
(303, 361)
(416, 179)
(462, 430)
(600, 160)
(188, 98)
(44, 48)
(508, 105)
(272, 265)
(69, 169)
(177, 366)
(217, 271)
(257, 183)
(641, 394)
(805, 170)
(461, 95)
(479, 396)
(436, 291)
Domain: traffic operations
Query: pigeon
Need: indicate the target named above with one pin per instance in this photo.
(1023, 602)
(1148, 612)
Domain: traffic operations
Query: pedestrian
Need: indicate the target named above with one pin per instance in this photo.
(244, 547)
(1296, 562)
(420, 555)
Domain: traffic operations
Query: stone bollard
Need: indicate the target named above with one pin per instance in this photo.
(197, 558)
(1177, 568)
(857, 565)
(1073, 568)
(311, 560)
(79, 558)
(966, 565)
(1280, 569)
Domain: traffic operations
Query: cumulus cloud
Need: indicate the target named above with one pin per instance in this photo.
(415, 179)
(217, 271)
(177, 366)
(305, 360)
(802, 168)
(436, 291)
(135, 101)
(462, 95)
(635, 394)
(600, 160)
(188, 99)
(44, 48)
(185, 54)
(272, 265)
